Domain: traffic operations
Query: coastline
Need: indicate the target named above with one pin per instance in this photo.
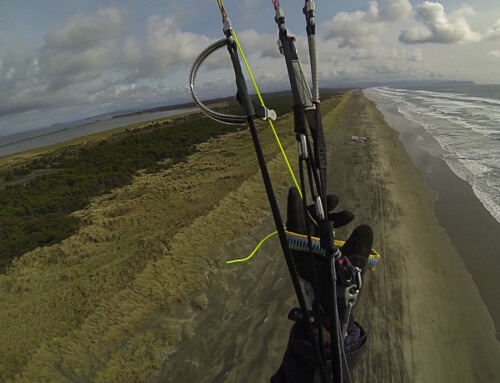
(472, 229)
(425, 319)
(105, 307)
(424, 313)
(137, 297)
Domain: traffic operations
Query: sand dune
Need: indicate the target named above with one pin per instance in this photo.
(142, 292)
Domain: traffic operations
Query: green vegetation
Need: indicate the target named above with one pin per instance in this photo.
(38, 213)
(100, 305)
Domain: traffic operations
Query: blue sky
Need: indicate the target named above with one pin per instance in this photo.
(64, 60)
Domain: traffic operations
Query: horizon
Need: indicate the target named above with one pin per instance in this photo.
(147, 108)
(65, 62)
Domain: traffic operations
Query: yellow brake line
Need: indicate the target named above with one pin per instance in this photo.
(274, 132)
(262, 104)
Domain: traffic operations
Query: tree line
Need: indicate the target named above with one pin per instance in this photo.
(38, 213)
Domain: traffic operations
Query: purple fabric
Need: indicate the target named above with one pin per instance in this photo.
(353, 334)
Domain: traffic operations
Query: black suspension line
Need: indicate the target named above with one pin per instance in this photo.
(307, 108)
(307, 113)
(245, 101)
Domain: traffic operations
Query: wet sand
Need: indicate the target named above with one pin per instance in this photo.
(424, 316)
(470, 226)
(426, 319)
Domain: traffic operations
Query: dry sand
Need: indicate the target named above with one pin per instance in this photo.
(164, 307)
(424, 316)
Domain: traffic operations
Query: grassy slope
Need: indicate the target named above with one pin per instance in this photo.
(96, 307)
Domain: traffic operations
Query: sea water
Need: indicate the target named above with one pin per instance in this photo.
(450, 132)
(465, 121)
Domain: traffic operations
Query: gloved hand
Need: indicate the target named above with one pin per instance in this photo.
(299, 363)
(295, 213)
(356, 249)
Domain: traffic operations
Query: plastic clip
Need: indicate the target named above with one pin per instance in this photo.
(226, 27)
(303, 147)
(309, 11)
(310, 6)
(280, 16)
(265, 113)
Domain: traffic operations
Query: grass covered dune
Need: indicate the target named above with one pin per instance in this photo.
(141, 292)
(97, 306)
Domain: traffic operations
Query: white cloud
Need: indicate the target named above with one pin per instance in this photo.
(132, 50)
(167, 46)
(416, 55)
(264, 44)
(494, 55)
(359, 28)
(63, 68)
(90, 59)
(80, 50)
(86, 31)
(371, 63)
(439, 27)
(493, 33)
(10, 73)
(98, 62)
(93, 60)
(353, 29)
(209, 87)
(396, 10)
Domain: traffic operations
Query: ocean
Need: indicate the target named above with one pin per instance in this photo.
(452, 135)
(465, 121)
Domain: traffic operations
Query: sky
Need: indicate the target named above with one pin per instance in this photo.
(66, 60)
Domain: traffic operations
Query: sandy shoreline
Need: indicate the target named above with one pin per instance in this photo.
(470, 226)
(427, 306)
(165, 307)
(425, 319)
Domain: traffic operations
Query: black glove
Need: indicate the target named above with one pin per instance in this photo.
(356, 249)
(295, 214)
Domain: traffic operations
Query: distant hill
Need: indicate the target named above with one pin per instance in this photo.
(155, 110)
(405, 83)
(171, 107)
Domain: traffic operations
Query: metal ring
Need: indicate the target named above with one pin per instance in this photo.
(217, 116)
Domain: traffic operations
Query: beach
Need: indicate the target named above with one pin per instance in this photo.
(424, 316)
(462, 206)
(161, 305)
